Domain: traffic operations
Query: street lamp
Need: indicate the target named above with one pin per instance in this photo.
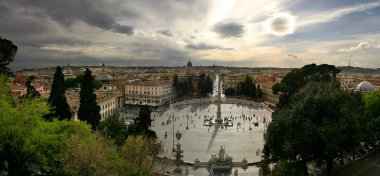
(173, 132)
(187, 125)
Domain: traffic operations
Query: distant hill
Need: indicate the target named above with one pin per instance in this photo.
(350, 69)
(347, 69)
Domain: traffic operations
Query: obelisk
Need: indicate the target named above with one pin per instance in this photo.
(219, 119)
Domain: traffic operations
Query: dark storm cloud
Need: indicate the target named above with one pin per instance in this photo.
(32, 31)
(54, 40)
(29, 57)
(95, 13)
(165, 32)
(3, 9)
(228, 29)
(123, 29)
(204, 46)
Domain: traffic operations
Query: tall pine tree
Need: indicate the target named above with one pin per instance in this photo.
(57, 98)
(89, 110)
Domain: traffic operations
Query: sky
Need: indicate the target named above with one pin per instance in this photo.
(249, 33)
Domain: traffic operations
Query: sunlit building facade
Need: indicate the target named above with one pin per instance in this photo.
(149, 93)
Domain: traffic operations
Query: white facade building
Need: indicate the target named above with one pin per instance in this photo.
(109, 105)
(148, 93)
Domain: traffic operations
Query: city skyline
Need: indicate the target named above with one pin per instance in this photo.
(263, 33)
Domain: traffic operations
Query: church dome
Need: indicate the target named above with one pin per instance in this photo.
(104, 78)
(189, 64)
(364, 86)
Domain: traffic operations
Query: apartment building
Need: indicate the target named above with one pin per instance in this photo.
(152, 93)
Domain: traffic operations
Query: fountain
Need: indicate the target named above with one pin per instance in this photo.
(178, 156)
(222, 162)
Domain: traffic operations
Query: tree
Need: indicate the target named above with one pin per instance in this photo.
(296, 79)
(176, 84)
(57, 99)
(209, 84)
(372, 104)
(190, 85)
(59, 147)
(31, 92)
(5, 92)
(114, 128)
(76, 82)
(143, 123)
(89, 155)
(139, 152)
(71, 83)
(230, 91)
(48, 140)
(202, 86)
(247, 88)
(317, 124)
(184, 88)
(27, 138)
(259, 92)
(7, 53)
(372, 115)
(89, 110)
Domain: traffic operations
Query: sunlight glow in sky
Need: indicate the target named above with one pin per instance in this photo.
(259, 33)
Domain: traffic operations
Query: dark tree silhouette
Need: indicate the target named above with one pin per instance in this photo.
(202, 84)
(31, 92)
(247, 88)
(89, 110)
(259, 92)
(57, 98)
(296, 79)
(176, 85)
(317, 124)
(7, 53)
(209, 84)
(142, 123)
(190, 85)
(183, 86)
(230, 91)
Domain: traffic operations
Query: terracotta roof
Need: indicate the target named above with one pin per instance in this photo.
(374, 81)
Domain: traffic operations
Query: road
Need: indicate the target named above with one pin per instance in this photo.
(368, 166)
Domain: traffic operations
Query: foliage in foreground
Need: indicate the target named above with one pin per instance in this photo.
(372, 116)
(318, 124)
(114, 128)
(63, 147)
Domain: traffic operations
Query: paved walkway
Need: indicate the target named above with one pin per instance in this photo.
(368, 166)
(202, 141)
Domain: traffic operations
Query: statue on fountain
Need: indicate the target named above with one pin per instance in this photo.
(221, 163)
